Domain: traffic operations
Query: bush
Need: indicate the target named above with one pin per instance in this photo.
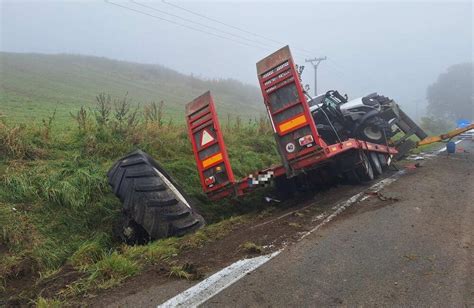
(435, 125)
(15, 142)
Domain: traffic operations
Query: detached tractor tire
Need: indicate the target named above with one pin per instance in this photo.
(154, 206)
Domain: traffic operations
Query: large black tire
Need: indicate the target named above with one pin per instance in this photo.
(151, 199)
(284, 188)
(364, 170)
(375, 130)
(384, 160)
(352, 177)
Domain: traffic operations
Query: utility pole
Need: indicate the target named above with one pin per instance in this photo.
(315, 62)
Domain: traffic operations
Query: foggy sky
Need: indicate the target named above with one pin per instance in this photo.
(394, 48)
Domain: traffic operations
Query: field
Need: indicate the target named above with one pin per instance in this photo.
(56, 209)
(33, 85)
(58, 138)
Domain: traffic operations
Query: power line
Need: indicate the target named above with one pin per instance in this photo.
(231, 26)
(302, 51)
(182, 25)
(333, 64)
(198, 23)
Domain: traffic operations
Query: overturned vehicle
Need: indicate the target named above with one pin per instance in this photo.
(373, 118)
(318, 139)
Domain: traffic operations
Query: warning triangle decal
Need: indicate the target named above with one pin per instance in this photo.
(206, 137)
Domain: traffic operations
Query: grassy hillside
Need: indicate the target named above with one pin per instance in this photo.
(33, 85)
(57, 211)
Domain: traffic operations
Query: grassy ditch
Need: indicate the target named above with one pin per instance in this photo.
(57, 211)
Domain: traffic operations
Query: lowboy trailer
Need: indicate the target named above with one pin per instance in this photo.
(325, 138)
(301, 147)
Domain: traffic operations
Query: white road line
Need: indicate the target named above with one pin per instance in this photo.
(444, 149)
(214, 284)
(342, 206)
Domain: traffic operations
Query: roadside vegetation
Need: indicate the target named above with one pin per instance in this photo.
(33, 85)
(57, 211)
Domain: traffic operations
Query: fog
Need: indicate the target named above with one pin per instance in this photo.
(394, 48)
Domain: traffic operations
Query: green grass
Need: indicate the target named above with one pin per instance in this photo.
(251, 247)
(57, 210)
(33, 85)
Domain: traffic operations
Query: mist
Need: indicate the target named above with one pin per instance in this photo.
(394, 48)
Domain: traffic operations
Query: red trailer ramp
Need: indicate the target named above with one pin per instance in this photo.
(295, 131)
(208, 144)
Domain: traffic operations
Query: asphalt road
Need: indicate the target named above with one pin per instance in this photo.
(417, 251)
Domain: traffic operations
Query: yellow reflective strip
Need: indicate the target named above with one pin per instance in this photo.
(292, 123)
(213, 159)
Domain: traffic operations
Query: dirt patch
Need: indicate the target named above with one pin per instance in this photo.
(20, 277)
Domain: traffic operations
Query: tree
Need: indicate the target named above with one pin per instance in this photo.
(451, 97)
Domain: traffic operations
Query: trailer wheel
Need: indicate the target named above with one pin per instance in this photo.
(352, 177)
(364, 169)
(375, 163)
(152, 201)
(284, 188)
(383, 160)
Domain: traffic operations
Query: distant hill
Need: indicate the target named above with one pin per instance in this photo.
(33, 85)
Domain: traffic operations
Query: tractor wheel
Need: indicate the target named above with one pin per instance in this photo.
(375, 130)
(375, 163)
(152, 201)
(364, 169)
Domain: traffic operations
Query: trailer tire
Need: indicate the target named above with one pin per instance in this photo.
(151, 200)
(352, 177)
(364, 169)
(375, 162)
(285, 188)
(383, 159)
